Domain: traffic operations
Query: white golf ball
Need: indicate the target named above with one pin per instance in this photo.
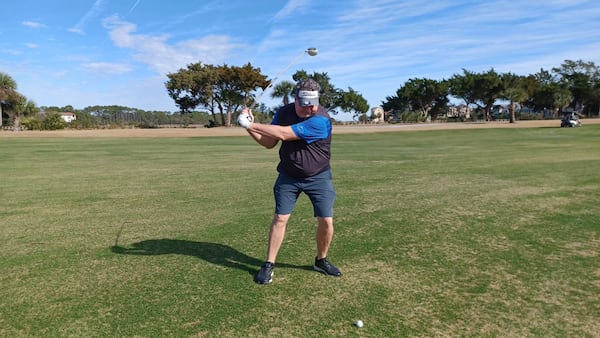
(359, 323)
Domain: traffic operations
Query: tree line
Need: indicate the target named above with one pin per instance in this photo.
(574, 87)
(211, 95)
(223, 90)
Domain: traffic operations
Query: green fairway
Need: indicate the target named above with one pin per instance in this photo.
(489, 232)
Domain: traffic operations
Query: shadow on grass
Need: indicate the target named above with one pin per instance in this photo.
(214, 253)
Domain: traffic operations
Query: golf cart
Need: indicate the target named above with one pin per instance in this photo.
(570, 119)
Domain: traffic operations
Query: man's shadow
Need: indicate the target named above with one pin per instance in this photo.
(214, 253)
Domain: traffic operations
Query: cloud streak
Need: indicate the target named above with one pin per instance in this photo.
(137, 2)
(93, 12)
(290, 8)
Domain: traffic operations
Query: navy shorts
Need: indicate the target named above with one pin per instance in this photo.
(318, 188)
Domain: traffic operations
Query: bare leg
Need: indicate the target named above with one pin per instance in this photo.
(276, 235)
(324, 235)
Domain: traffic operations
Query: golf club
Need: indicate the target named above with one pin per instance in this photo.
(310, 51)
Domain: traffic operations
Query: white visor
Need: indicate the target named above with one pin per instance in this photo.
(308, 98)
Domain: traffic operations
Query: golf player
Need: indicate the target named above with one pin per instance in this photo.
(304, 129)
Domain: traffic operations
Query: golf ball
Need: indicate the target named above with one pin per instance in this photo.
(359, 323)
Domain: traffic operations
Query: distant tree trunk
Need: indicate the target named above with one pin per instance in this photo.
(488, 113)
(228, 116)
(17, 122)
(512, 112)
(222, 116)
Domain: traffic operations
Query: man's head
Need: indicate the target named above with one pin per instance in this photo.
(307, 97)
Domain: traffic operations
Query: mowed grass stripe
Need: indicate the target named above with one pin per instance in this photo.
(463, 232)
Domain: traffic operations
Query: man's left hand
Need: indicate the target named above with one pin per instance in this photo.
(245, 119)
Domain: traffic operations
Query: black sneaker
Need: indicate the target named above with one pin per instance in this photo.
(322, 265)
(265, 275)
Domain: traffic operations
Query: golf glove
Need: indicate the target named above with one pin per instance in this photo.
(245, 120)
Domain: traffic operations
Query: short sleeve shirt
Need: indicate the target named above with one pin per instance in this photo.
(311, 154)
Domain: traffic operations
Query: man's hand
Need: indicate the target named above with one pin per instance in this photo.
(245, 119)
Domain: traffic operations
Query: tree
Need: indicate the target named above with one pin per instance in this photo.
(395, 104)
(352, 101)
(219, 89)
(284, 90)
(463, 87)
(426, 98)
(332, 98)
(119, 115)
(583, 80)
(514, 90)
(20, 107)
(549, 93)
(233, 87)
(8, 89)
(482, 89)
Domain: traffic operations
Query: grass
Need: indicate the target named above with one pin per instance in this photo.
(438, 233)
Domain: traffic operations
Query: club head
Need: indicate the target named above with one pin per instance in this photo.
(312, 51)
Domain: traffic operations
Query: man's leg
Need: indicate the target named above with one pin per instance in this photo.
(324, 235)
(276, 235)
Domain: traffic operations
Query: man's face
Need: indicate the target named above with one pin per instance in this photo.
(306, 111)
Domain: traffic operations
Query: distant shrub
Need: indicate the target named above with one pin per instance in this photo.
(411, 117)
(53, 121)
(529, 116)
(31, 123)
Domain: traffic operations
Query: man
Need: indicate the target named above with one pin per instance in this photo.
(304, 129)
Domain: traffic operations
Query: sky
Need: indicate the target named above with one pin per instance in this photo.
(117, 52)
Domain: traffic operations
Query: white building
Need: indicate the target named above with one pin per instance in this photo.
(68, 117)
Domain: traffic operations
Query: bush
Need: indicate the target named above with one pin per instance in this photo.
(31, 123)
(53, 121)
(529, 116)
(411, 117)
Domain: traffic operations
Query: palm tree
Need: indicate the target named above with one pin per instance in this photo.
(8, 88)
(20, 107)
(285, 90)
(514, 90)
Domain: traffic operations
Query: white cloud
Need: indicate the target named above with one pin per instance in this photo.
(31, 45)
(161, 55)
(107, 67)
(12, 52)
(75, 30)
(32, 24)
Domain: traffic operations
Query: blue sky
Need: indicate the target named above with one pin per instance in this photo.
(117, 52)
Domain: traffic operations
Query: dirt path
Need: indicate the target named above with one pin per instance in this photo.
(236, 131)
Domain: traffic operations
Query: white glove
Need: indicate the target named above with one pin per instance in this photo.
(244, 120)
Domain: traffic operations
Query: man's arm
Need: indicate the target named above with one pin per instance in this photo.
(263, 140)
(271, 133)
(267, 135)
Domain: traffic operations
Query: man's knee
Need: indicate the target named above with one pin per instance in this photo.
(280, 220)
(326, 222)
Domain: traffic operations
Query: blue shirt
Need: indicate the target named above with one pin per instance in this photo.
(313, 129)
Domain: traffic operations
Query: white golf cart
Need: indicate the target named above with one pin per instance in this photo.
(570, 120)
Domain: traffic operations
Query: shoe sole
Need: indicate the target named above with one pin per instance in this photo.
(318, 269)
